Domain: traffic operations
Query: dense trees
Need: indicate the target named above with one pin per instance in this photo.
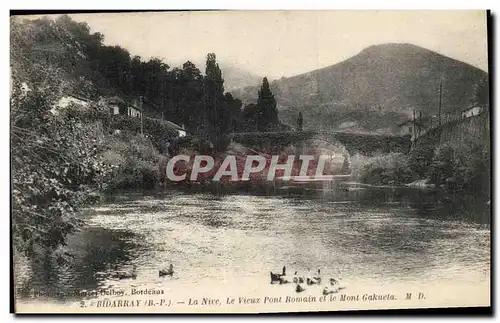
(481, 92)
(249, 115)
(190, 98)
(457, 166)
(182, 95)
(262, 116)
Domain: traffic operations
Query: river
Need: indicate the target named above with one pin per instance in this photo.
(381, 239)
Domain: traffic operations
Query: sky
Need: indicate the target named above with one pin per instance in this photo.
(287, 43)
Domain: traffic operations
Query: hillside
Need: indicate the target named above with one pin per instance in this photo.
(374, 90)
(63, 53)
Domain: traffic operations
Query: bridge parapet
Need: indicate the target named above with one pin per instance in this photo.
(473, 127)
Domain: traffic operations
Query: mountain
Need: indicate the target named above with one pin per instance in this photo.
(235, 78)
(375, 90)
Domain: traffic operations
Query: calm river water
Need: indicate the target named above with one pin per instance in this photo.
(374, 236)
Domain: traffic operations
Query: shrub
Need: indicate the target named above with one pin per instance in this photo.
(56, 165)
(420, 159)
(462, 167)
(134, 160)
(390, 169)
(137, 174)
(158, 131)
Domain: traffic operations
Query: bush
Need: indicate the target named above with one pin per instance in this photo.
(56, 165)
(158, 131)
(134, 160)
(462, 167)
(138, 174)
(390, 169)
(420, 159)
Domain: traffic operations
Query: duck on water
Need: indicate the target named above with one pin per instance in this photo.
(125, 274)
(276, 278)
(333, 286)
(132, 274)
(166, 272)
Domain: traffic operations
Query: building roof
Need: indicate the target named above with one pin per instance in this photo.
(132, 106)
(471, 107)
(79, 97)
(113, 98)
(173, 125)
(128, 103)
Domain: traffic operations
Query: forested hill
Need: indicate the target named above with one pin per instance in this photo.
(67, 51)
(376, 89)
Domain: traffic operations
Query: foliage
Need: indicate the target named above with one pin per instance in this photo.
(190, 84)
(60, 161)
(481, 92)
(464, 167)
(389, 169)
(346, 166)
(267, 114)
(214, 93)
(158, 131)
(222, 110)
(94, 70)
(134, 160)
(458, 166)
(262, 116)
(420, 158)
(249, 118)
(44, 48)
(300, 122)
(55, 165)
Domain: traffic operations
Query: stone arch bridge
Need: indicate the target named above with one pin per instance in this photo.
(366, 144)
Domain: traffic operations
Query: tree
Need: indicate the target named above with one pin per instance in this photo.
(300, 122)
(214, 94)
(420, 159)
(481, 92)
(463, 167)
(249, 118)
(115, 67)
(190, 97)
(346, 166)
(137, 76)
(231, 113)
(267, 116)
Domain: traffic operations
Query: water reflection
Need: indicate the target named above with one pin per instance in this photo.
(94, 250)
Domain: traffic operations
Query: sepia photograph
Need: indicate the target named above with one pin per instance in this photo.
(250, 161)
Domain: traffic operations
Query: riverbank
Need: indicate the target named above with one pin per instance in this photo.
(458, 167)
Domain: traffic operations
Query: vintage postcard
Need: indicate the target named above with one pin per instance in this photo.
(250, 161)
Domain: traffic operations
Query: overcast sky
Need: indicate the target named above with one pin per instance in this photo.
(286, 43)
